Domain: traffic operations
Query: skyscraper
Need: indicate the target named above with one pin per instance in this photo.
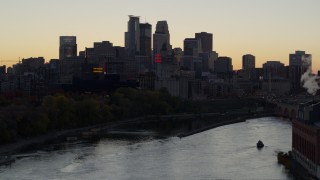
(223, 65)
(161, 39)
(300, 58)
(206, 41)
(299, 62)
(3, 69)
(132, 37)
(192, 47)
(145, 39)
(68, 47)
(191, 52)
(248, 62)
(273, 70)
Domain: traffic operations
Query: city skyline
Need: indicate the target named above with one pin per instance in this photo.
(262, 29)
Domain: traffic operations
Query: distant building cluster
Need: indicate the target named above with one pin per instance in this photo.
(148, 61)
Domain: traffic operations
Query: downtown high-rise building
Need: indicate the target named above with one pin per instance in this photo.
(68, 47)
(223, 65)
(161, 39)
(206, 41)
(3, 69)
(145, 39)
(132, 36)
(191, 51)
(273, 70)
(192, 47)
(208, 56)
(299, 62)
(300, 58)
(248, 62)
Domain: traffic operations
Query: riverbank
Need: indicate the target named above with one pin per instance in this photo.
(227, 122)
(293, 166)
(12, 148)
(233, 121)
(101, 130)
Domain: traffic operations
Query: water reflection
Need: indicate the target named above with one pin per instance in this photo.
(227, 152)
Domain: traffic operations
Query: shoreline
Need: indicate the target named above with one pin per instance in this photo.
(12, 148)
(297, 170)
(20, 145)
(219, 124)
(234, 121)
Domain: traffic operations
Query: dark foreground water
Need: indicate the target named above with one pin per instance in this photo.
(227, 152)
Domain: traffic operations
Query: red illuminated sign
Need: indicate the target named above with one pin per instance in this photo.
(157, 58)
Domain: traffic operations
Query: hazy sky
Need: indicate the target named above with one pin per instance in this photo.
(268, 29)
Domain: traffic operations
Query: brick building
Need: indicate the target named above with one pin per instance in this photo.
(306, 137)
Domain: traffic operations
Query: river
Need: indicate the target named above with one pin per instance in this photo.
(227, 152)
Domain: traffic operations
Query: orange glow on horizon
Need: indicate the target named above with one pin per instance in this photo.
(239, 27)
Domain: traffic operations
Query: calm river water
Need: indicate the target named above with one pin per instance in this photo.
(227, 152)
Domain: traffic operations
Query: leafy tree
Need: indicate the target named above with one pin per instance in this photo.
(60, 111)
(4, 101)
(39, 122)
(87, 112)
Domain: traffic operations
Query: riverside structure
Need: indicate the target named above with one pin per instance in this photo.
(306, 137)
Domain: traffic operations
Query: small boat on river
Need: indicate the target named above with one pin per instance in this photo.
(260, 144)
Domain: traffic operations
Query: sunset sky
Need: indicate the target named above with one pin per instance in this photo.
(268, 29)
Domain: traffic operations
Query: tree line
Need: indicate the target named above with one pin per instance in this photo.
(21, 118)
